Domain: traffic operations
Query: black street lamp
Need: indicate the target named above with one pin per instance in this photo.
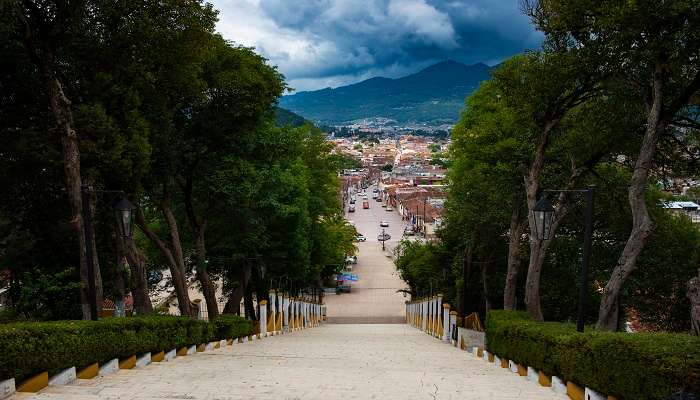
(383, 239)
(124, 212)
(543, 214)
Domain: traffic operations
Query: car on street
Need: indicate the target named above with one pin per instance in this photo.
(389, 209)
(351, 260)
(351, 209)
(383, 205)
(361, 238)
(384, 224)
(383, 237)
(352, 201)
(365, 204)
(408, 231)
(379, 199)
(343, 289)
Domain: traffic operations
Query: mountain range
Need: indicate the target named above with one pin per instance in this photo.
(432, 96)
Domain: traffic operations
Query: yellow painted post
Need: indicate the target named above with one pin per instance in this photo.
(158, 357)
(88, 372)
(574, 391)
(35, 383)
(128, 363)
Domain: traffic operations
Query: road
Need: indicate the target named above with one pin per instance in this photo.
(374, 297)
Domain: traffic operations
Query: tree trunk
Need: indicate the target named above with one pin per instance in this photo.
(208, 288)
(233, 305)
(248, 303)
(537, 247)
(61, 108)
(642, 225)
(42, 56)
(694, 297)
(177, 267)
(178, 256)
(119, 284)
(198, 228)
(466, 271)
(514, 234)
(139, 283)
(538, 250)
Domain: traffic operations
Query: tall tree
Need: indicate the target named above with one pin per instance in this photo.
(45, 28)
(654, 47)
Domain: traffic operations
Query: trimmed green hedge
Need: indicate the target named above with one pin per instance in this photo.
(628, 366)
(27, 348)
(232, 326)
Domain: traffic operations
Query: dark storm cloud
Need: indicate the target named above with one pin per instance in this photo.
(331, 42)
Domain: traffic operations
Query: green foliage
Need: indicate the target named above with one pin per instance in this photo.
(628, 366)
(33, 347)
(232, 326)
(50, 297)
(387, 167)
(423, 266)
(346, 161)
(284, 117)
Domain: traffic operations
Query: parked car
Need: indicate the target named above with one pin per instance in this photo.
(351, 260)
(389, 209)
(408, 231)
(384, 224)
(352, 201)
(383, 205)
(343, 289)
(379, 199)
(351, 209)
(383, 237)
(365, 204)
(361, 238)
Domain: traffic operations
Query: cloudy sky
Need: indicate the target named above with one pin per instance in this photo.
(322, 43)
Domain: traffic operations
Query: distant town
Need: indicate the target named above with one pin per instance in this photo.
(409, 171)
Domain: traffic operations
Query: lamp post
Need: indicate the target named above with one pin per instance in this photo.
(383, 238)
(543, 214)
(124, 212)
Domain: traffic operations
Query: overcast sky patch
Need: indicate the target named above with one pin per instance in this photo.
(330, 43)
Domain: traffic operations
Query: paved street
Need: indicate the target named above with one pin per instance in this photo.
(374, 297)
(329, 362)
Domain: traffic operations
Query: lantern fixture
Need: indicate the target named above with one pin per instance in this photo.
(543, 213)
(124, 211)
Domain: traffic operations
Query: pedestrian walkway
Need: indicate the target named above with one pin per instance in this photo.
(330, 362)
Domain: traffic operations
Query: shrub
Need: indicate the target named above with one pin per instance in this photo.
(628, 366)
(232, 326)
(27, 348)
